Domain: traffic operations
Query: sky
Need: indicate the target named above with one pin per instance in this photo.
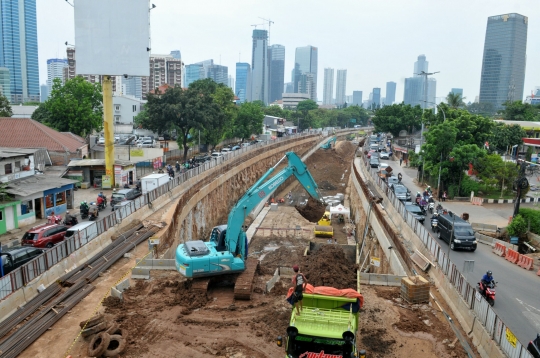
(376, 41)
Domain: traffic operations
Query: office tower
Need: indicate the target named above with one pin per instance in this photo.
(288, 87)
(376, 97)
(259, 66)
(341, 86)
(230, 82)
(503, 65)
(44, 93)
(414, 86)
(19, 48)
(457, 91)
(55, 69)
(306, 85)
(220, 74)
(194, 73)
(390, 93)
(132, 86)
(243, 82)
(348, 99)
(176, 54)
(357, 98)
(276, 72)
(5, 83)
(328, 90)
(305, 61)
(164, 69)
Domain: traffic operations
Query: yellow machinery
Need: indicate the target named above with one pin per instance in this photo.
(324, 226)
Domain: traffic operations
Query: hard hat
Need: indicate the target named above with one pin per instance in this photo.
(67, 212)
(489, 273)
(295, 268)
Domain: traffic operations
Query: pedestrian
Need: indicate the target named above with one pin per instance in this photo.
(444, 196)
(299, 283)
(400, 161)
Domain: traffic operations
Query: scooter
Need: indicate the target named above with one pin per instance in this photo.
(489, 294)
(434, 223)
(84, 211)
(431, 207)
(72, 222)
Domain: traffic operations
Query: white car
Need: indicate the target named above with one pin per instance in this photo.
(217, 155)
(101, 140)
(245, 144)
(383, 166)
(384, 155)
(146, 144)
(226, 151)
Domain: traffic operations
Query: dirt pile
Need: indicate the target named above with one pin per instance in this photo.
(328, 266)
(312, 211)
(345, 148)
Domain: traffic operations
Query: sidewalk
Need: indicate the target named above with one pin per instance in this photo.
(478, 214)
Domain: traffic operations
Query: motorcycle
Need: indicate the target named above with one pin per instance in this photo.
(72, 222)
(54, 219)
(431, 207)
(84, 211)
(434, 223)
(489, 293)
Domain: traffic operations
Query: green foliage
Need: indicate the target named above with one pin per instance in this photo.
(468, 185)
(493, 171)
(453, 191)
(248, 121)
(5, 107)
(519, 111)
(75, 107)
(529, 153)
(41, 114)
(455, 100)
(518, 226)
(141, 119)
(307, 105)
(505, 136)
(277, 111)
(4, 196)
(532, 218)
(485, 109)
(220, 125)
(396, 118)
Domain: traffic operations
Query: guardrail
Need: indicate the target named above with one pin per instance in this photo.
(496, 328)
(18, 278)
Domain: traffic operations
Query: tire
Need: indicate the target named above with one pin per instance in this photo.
(112, 328)
(491, 301)
(117, 345)
(49, 245)
(98, 345)
(473, 250)
(438, 234)
(92, 321)
(452, 246)
(118, 332)
(95, 329)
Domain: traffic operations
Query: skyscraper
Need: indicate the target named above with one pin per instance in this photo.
(276, 61)
(44, 95)
(306, 84)
(193, 73)
(132, 86)
(5, 82)
(259, 66)
(243, 82)
(414, 86)
(457, 91)
(341, 87)
(503, 65)
(19, 48)
(376, 101)
(328, 91)
(420, 65)
(55, 69)
(306, 61)
(231, 82)
(220, 74)
(390, 93)
(176, 54)
(357, 98)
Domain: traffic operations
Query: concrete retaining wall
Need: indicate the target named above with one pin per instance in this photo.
(380, 280)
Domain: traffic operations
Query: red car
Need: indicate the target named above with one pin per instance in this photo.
(369, 153)
(46, 235)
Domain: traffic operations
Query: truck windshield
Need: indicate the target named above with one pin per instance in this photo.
(307, 346)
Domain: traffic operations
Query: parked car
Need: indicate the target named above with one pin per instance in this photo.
(457, 232)
(374, 162)
(17, 256)
(123, 195)
(202, 158)
(384, 155)
(236, 147)
(146, 144)
(416, 211)
(101, 140)
(46, 235)
(225, 151)
(401, 192)
(246, 144)
(217, 155)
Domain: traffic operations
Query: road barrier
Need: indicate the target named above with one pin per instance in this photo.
(476, 201)
(499, 249)
(526, 262)
(512, 256)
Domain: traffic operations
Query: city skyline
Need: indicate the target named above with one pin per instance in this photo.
(388, 62)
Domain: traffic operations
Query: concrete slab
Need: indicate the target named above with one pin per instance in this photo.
(116, 293)
(140, 273)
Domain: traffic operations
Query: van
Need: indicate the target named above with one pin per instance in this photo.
(85, 232)
(15, 257)
(463, 233)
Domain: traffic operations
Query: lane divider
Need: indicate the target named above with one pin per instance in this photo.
(499, 249)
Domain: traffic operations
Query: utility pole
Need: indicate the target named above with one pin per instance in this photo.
(521, 184)
(425, 74)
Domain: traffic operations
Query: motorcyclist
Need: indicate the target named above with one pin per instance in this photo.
(94, 212)
(487, 279)
(68, 218)
(431, 200)
(100, 201)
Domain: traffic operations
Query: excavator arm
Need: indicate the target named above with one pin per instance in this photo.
(235, 236)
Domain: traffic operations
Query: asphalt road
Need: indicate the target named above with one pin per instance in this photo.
(517, 300)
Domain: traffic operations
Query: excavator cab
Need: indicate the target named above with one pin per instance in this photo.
(218, 237)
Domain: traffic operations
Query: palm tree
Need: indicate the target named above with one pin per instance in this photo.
(455, 100)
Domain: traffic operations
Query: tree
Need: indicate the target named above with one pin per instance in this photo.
(455, 100)
(141, 119)
(75, 107)
(4, 196)
(41, 114)
(505, 136)
(396, 118)
(248, 121)
(518, 226)
(5, 107)
(275, 111)
(519, 111)
(484, 109)
(220, 125)
(305, 107)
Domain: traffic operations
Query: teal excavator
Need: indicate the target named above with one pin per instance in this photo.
(227, 250)
(328, 144)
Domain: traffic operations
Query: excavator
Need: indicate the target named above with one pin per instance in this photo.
(227, 250)
(328, 144)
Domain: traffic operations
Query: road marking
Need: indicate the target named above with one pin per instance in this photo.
(531, 313)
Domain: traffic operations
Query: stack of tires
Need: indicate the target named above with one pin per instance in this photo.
(107, 339)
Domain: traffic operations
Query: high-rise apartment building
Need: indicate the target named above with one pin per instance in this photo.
(376, 99)
(55, 69)
(276, 72)
(414, 86)
(503, 65)
(357, 98)
(390, 94)
(220, 74)
(341, 87)
(328, 87)
(259, 66)
(243, 82)
(306, 61)
(19, 48)
(5, 82)
(306, 85)
(164, 69)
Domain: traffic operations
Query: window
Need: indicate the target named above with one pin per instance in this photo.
(49, 201)
(134, 108)
(117, 118)
(117, 107)
(7, 169)
(26, 207)
(18, 166)
(61, 198)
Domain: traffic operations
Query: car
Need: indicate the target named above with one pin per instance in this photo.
(374, 162)
(236, 147)
(534, 347)
(202, 158)
(416, 212)
(392, 180)
(225, 151)
(17, 256)
(374, 146)
(401, 192)
(383, 166)
(123, 195)
(375, 155)
(457, 232)
(217, 155)
(166, 136)
(101, 140)
(370, 153)
(245, 145)
(116, 138)
(146, 144)
(44, 236)
(384, 155)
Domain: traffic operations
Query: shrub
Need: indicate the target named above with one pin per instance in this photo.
(468, 185)
(453, 191)
(518, 226)
(531, 216)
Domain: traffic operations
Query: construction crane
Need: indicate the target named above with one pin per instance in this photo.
(258, 25)
(270, 22)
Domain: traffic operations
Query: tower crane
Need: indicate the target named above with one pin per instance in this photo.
(255, 26)
(270, 22)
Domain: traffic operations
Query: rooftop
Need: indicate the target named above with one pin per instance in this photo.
(96, 162)
(6, 152)
(36, 184)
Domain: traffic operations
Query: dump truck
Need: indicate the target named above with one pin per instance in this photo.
(326, 326)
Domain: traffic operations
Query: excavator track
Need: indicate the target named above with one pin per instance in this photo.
(244, 283)
(201, 285)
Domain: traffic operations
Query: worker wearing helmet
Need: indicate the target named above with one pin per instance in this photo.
(299, 282)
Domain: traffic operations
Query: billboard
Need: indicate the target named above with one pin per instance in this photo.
(112, 37)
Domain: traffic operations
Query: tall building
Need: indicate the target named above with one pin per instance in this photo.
(19, 48)
(259, 66)
(390, 94)
(5, 82)
(44, 93)
(503, 65)
(242, 88)
(376, 101)
(231, 82)
(357, 98)
(164, 69)
(55, 69)
(69, 72)
(176, 54)
(414, 86)
(288, 87)
(132, 86)
(341, 87)
(306, 85)
(276, 72)
(457, 91)
(194, 73)
(328, 86)
(220, 74)
(306, 61)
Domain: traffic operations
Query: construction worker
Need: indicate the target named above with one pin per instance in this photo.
(299, 282)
